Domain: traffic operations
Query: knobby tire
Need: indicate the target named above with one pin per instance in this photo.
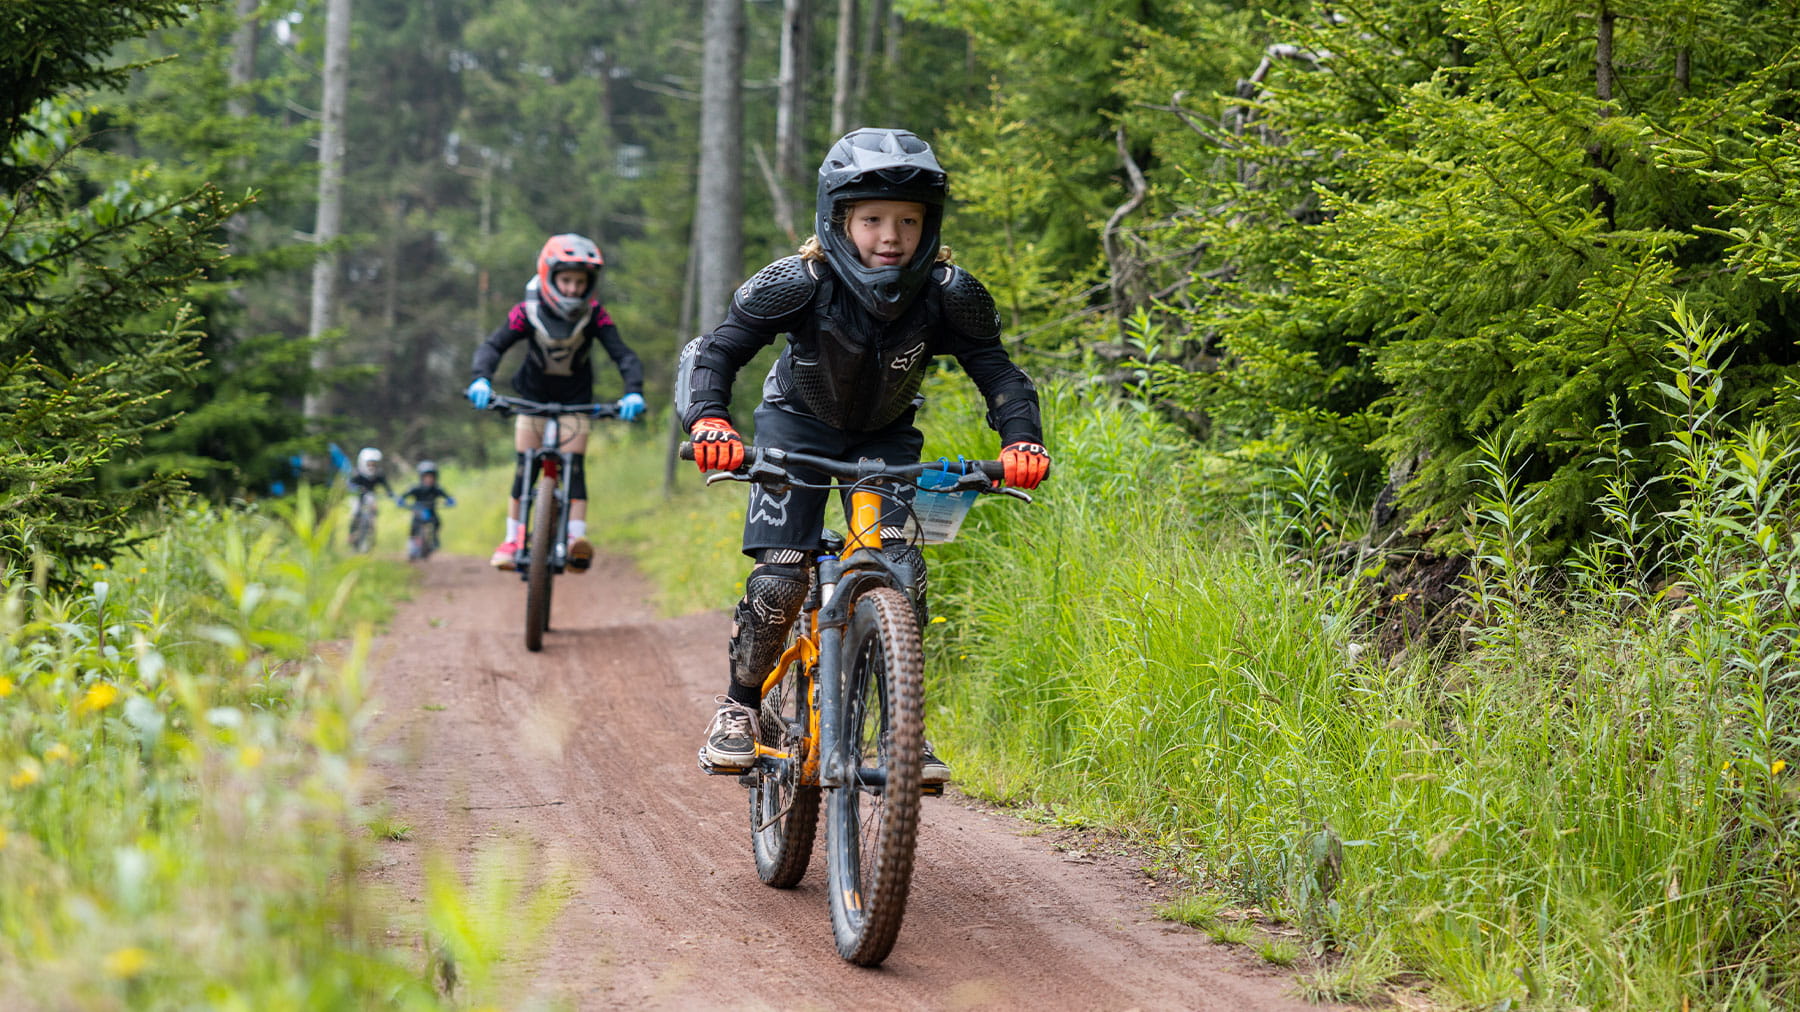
(871, 831)
(784, 812)
(537, 583)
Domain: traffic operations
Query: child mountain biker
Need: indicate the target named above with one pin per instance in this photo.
(866, 304)
(563, 319)
(363, 480)
(424, 496)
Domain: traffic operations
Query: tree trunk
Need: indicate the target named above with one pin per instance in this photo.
(790, 110)
(718, 219)
(327, 226)
(875, 15)
(890, 62)
(843, 80)
(243, 57)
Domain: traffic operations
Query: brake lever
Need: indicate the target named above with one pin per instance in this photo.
(714, 477)
(1016, 493)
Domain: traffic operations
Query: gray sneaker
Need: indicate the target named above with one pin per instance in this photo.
(932, 770)
(731, 737)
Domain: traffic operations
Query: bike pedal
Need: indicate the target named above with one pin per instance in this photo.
(931, 790)
(719, 771)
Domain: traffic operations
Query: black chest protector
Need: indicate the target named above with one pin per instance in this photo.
(851, 370)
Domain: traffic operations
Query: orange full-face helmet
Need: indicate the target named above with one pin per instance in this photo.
(564, 253)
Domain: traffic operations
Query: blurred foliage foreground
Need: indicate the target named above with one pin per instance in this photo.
(182, 756)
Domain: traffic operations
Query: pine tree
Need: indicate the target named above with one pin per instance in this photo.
(93, 327)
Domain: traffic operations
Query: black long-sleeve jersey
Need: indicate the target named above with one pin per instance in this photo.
(425, 495)
(558, 366)
(360, 483)
(851, 370)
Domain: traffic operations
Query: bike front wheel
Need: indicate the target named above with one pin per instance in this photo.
(538, 575)
(784, 808)
(873, 819)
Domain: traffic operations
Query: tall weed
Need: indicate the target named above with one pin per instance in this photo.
(178, 775)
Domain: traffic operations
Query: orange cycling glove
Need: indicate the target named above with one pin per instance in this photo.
(717, 446)
(1026, 464)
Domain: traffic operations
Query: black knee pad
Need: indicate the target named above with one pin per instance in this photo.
(909, 554)
(773, 595)
(578, 477)
(518, 489)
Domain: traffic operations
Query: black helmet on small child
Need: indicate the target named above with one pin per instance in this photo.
(879, 164)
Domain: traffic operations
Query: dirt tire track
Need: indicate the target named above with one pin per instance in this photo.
(584, 755)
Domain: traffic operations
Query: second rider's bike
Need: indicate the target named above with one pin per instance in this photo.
(842, 715)
(544, 507)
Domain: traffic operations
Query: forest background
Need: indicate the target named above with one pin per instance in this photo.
(1460, 286)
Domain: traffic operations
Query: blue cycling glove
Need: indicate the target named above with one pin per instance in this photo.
(480, 393)
(631, 406)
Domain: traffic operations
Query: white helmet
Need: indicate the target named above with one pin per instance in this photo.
(368, 461)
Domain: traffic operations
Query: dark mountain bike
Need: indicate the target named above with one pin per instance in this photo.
(544, 507)
(842, 715)
(424, 538)
(362, 523)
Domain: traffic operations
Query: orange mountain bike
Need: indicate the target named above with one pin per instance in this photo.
(843, 709)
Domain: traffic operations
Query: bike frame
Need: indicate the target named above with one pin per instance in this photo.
(818, 646)
(841, 580)
(552, 460)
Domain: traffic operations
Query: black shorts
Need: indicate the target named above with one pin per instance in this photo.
(796, 518)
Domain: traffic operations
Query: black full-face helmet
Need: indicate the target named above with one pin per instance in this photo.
(879, 164)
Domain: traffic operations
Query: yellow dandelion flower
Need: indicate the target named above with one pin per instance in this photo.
(99, 696)
(250, 756)
(938, 620)
(26, 775)
(127, 962)
(1778, 765)
(99, 565)
(6, 687)
(59, 753)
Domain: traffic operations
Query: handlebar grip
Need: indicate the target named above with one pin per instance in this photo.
(686, 450)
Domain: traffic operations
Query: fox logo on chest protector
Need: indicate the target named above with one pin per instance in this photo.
(904, 361)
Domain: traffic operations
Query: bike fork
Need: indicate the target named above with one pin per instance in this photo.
(834, 756)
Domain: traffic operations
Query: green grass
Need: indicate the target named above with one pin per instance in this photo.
(1595, 807)
(180, 771)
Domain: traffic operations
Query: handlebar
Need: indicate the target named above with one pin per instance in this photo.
(520, 406)
(768, 465)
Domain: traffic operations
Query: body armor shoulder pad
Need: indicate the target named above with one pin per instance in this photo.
(968, 307)
(777, 290)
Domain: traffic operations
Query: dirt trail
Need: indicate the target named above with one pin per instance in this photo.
(584, 753)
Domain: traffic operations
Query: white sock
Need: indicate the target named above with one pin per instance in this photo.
(513, 527)
(577, 529)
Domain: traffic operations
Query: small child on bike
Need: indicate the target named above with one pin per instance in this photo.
(562, 319)
(425, 497)
(866, 304)
(367, 476)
